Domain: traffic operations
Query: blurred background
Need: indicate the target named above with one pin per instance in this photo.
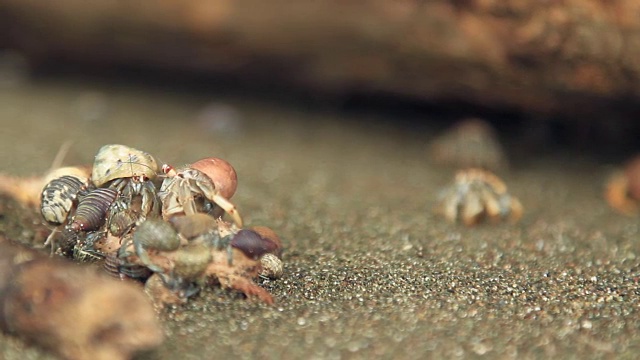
(558, 72)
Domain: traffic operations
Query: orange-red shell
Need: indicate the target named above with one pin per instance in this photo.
(221, 173)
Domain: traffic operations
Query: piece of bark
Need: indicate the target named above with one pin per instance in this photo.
(570, 57)
(72, 309)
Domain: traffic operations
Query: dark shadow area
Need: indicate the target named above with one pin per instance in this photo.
(525, 135)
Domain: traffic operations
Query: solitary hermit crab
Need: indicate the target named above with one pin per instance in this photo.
(212, 180)
(129, 171)
(622, 190)
(475, 195)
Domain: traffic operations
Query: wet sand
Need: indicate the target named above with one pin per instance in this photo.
(370, 271)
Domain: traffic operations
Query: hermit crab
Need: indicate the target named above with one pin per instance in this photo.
(129, 171)
(477, 194)
(184, 263)
(622, 191)
(206, 183)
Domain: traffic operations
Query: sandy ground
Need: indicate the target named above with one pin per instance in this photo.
(370, 271)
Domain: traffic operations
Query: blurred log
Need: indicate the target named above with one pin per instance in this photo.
(71, 309)
(570, 57)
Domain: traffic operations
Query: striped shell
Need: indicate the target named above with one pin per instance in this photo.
(119, 161)
(59, 196)
(117, 267)
(92, 209)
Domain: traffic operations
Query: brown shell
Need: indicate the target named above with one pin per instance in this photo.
(221, 173)
(252, 244)
(270, 235)
(92, 210)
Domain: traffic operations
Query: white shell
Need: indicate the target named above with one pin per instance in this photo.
(272, 266)
(119, 161)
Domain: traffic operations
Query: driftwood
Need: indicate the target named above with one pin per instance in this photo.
(71, 309)
(570, 57)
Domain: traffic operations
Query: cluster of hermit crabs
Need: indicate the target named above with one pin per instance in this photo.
(159, 224)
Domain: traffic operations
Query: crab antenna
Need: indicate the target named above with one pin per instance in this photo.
(62, 153)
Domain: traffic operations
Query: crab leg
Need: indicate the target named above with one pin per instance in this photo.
(212, 194)
(185, 197)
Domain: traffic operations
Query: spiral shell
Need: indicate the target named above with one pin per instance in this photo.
(59, 196)
(119, 161)
(272, 266)
(92, 210)
(118, 267)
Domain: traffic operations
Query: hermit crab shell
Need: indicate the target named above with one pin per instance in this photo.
(81, 172)
(221, 173)
(120, 161)
(268, 235)
(252, 244)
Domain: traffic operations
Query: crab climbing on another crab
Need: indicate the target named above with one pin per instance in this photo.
(184, 263)
(207, 183)
(476, 195)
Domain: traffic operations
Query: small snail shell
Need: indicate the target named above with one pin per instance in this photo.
(272, 266)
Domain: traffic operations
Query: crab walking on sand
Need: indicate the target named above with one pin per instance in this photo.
(477, 194)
